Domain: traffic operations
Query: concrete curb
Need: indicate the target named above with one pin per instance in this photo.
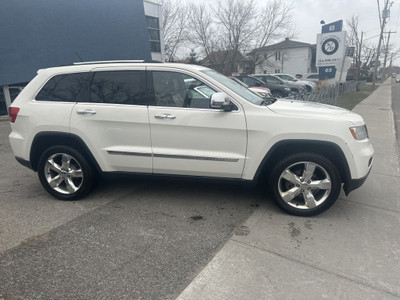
(4, 118)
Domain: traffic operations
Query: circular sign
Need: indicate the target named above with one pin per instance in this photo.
(330, 46)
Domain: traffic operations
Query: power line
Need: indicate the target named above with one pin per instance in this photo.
(372, 37)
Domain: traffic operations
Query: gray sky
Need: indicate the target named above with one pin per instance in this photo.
(307, 15)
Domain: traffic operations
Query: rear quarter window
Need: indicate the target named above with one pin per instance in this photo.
(65, 88)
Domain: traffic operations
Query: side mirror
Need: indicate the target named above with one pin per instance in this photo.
(221, 101)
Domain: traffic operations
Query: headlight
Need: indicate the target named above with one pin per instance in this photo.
(262, 94)
(359, 132)
(287, 89)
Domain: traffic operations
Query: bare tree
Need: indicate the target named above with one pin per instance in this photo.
(237, 29)
(202, 29)
(228, 29)
(275, 21)
(175, 26)
(354, 40)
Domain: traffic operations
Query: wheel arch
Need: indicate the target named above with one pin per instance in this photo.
(44, 140)
(287, 147)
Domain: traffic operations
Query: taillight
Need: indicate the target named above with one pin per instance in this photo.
(13, 112)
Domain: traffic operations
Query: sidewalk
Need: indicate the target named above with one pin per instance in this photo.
(350, 252)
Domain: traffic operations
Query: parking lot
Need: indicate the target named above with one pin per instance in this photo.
(163, 239)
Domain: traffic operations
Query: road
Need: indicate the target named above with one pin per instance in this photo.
(130, 239)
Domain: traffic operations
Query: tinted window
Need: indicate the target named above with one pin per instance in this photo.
(120, 87)
(66, 87)
(180, 90)
(250, 81)
(271, 79)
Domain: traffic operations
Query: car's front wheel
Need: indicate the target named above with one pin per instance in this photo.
(305, 184)
(65, 173)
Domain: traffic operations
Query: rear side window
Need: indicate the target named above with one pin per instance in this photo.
(119, 87)
(66, 88)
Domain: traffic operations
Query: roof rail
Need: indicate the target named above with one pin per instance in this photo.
(114, 62)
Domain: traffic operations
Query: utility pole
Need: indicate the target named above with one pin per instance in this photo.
(387, 47)
(359, 57)
(385, 15)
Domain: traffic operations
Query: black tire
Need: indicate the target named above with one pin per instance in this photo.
(292, 185)
(65, 173)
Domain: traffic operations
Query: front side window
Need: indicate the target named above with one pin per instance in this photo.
(118, 87)
(234, 86)
(180, 90)
(65, 88)
(272, 79)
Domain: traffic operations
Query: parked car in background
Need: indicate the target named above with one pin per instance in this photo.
(313, 77)
(279, 88)
(394, 75)
(262, 91)
(397, 78)
(289, 78)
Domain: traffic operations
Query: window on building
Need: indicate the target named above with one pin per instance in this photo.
(153, 26)
(277, 55)
(277, 70)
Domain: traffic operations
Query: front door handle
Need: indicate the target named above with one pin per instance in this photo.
(86, 112)
(164, 116)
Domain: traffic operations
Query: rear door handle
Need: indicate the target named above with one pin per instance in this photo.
(164, 116)
(86, 112)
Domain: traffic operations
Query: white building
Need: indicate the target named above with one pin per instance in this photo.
(153, 12)
(285, 57)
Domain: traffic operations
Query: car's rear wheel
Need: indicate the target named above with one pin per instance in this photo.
(305, 184)
(65, 173)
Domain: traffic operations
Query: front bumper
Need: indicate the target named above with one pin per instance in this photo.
(354, 184)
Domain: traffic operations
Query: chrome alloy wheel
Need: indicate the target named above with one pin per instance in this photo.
(63, 173)
(304, 185)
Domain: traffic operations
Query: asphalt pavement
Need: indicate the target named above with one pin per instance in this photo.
(352, 251)
(129, 239)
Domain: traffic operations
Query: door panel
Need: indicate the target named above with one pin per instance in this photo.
(114, 122)
(188, 137)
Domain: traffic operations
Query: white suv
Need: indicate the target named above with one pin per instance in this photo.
(73, 122)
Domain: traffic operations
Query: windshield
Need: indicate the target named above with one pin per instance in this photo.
(289, 78)
(234, 86)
